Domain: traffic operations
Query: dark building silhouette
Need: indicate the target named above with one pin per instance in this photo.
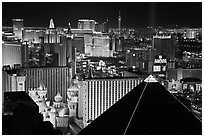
(140, 58)
(166, 46)
(149, 109)
(21, 116)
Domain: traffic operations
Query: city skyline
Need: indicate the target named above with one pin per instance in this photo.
(133, 14)
(71, 68)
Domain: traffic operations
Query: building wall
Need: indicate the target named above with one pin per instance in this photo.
(165, 46)
(86, 24)
(24, 54)
(56, 79)
(172, 74)
(81, 98)
(6, 82)
(78, 43)
(177, 84)
(60, 49)
(33, 35)
(139, 58)
(51, 36)
(12, 83)
(100, 94)
(18, 83)
(191, 34)
(180, 73)
(11, 54)
(196, 73)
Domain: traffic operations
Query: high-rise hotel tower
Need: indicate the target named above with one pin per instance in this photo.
(99, 94)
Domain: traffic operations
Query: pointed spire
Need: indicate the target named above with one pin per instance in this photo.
(119, 14)
(150, 79)
(51, 24)
(119, 24)
(69, 28)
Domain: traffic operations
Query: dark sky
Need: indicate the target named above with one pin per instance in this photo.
(134, 14)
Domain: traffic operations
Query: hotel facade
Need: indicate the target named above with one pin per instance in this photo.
(100, 94)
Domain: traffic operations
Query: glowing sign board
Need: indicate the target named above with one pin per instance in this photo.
(160, 60)
(157, 68)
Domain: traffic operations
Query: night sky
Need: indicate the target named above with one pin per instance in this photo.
(134, 14)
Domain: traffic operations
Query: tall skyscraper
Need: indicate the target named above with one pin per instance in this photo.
(119, 33)
(42, 58)
(70, 51)
(24, 54)
(119, 24)
(165, 45)
(18, 27)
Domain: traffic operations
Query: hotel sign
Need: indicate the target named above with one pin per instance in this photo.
(160, 60)
(157, 68)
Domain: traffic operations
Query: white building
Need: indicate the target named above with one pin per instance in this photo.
(100, 94)
(11, 53)
(190, 34)
(98, 45)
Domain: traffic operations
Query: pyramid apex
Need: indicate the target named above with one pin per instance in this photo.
(51, 24)
(150, 79)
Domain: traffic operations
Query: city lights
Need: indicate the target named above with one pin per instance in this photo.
(101, 70)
